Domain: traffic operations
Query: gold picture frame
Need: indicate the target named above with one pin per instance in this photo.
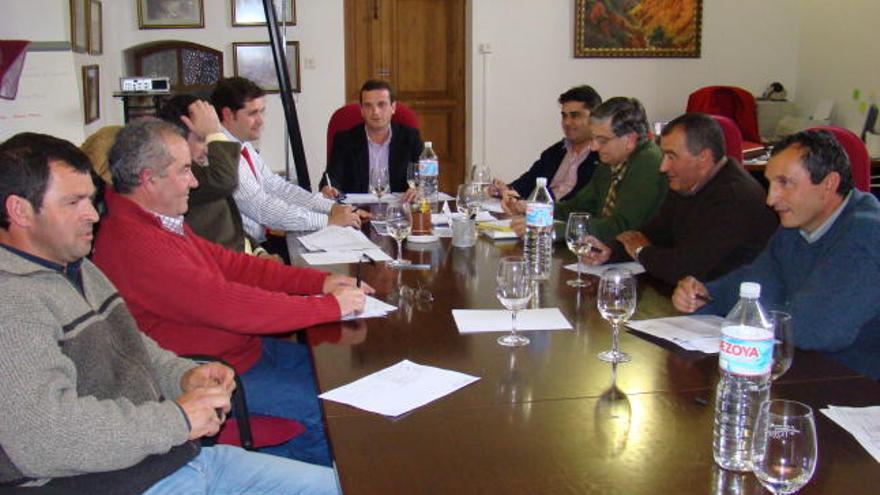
(91, 84)
(250, 12)
(638, 28)
(254, 61)
(171, 14)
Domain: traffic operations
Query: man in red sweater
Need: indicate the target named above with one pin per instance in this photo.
(195, 297)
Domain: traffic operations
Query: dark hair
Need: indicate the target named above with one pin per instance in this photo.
(701, 132)
(373, 85)
(233, 93)
(24, 167)
(177, 107)
(821, 154)
(139, 146)
(584, 94)
(626, 114)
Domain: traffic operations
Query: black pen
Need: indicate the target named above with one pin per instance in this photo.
(358, 274)
(704, 298)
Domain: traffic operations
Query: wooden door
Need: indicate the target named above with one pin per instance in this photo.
(417, 46)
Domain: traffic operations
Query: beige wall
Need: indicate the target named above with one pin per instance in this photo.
(813, 47)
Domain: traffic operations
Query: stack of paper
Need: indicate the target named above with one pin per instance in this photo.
(499, 320)
(446, 219)
(633, 266)
(493, 205)
(373, 308)
(340, 257)
(368, 198)
(497, 229)
(694, 333)
(336, 238)
(861, 422)
(400, 388)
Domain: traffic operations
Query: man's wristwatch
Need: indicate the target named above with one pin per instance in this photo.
(637, 252)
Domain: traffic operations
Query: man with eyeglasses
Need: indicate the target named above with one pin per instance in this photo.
(627, 187)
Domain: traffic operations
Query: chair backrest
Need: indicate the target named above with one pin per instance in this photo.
(732, 102)
(733, 139)
(859, 161)
(348, 116)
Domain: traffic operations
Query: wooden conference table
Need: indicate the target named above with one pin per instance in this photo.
(550, 417)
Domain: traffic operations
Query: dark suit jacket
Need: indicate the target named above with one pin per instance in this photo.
(212, 212)
(547, 165)
(349, 166)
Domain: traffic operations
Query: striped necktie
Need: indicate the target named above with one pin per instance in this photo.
(617, 174)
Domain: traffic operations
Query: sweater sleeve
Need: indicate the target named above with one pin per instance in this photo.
(180, 287)
(51, 431)
(711, 236)
(219, 178)
(168, 368)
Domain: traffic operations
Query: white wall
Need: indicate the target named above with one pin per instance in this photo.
(747, 43)
(838, 54)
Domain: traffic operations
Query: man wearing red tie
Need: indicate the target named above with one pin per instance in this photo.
(265, 199)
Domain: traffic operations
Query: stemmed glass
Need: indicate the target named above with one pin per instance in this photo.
(514, 292)
(398, 220)
(481, 176)
(616, 301)
(412, 175)
(783, 348)
(469, 199)
(379, 185)
(784, 449)
(577, 236)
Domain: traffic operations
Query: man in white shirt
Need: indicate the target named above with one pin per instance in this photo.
(265, 199)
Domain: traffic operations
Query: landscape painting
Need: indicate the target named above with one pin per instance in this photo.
(638, 28)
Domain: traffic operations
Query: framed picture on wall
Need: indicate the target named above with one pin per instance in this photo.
(161, 14)
(91, 93)
(96, 32)
(637, 28)
(79, 31)
(254, 61)
(251, 13)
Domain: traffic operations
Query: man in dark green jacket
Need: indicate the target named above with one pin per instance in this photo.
(627, 187)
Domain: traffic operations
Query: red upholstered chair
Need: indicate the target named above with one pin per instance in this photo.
(859, 161)
(734, 103)
(348, 116)
(246, 431)
(732, 137)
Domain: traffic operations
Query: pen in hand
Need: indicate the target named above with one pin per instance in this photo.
(704, 298)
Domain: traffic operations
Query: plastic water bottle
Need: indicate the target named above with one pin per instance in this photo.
(429, 172)
(539, 231)
(745, 361)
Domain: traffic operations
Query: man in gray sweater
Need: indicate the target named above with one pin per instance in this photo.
(90, 404)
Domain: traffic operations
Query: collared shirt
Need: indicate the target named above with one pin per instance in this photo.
(378, 152)
(817, 234)
(72, 271)
(171, 224)
(567, 174)
(269, 201)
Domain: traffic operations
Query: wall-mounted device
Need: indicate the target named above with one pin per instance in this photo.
(145, 84)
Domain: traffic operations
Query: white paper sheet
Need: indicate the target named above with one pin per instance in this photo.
(633, 266)
(493, 205)
(400, 388)
(373, 308)
(498, 320)
(862, 422)
(444, 219)
(339, 257)
(336, 238)
(368, 198)
(694, 333)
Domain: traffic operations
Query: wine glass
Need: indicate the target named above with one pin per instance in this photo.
(577, 236)
(379, 185)
(469, 199)
(412, 175)
(514, 292)
(481, 176)
(616, 301)
(784, 449)
(398, 220)
(783, 347)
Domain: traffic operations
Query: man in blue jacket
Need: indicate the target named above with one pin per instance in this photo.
(823, 265)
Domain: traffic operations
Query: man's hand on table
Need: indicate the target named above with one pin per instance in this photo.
(345, 216)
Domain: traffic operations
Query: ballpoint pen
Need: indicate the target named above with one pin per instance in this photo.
(340, 196)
